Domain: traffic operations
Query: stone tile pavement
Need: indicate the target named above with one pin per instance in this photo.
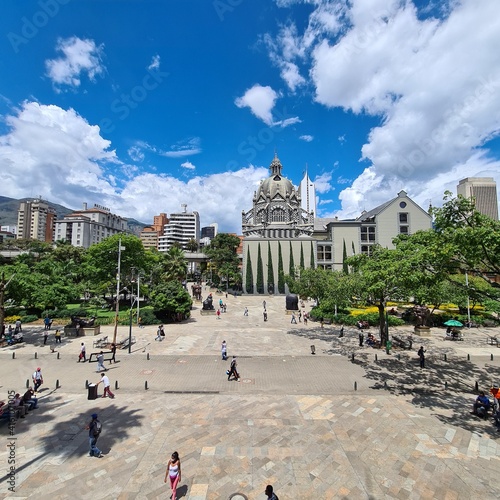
(294, 420)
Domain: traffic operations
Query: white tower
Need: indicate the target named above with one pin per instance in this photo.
(307, 193)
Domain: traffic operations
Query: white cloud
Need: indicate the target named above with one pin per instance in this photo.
(155, 62)
(307, 138)
(261, 102)
(188, 165)
(187, 147)
(136, 153)
(433, 83)
(57, 154)
(322, 182)
(80, 56)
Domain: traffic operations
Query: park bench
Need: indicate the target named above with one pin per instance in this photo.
(124, 343)
(492, 340)
(101, 342)
(402, 343)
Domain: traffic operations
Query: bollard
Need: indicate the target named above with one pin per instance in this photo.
(491, 357)
(13, 355)
(86, 384)
(376, 357)
(57, 384)
(36, 355)
(27, 383)
(58, 355)
(399, 357)
(476, 386)
(352, 357)
(146, 385)
(445, 384)
(385, 384)
(355, 386)
(444, 357)
(148, 356)
(468, 357)
(116, 384)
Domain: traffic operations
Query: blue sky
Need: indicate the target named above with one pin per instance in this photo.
(142, 105)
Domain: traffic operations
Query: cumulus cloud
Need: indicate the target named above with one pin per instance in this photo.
(188, 165)
(62, 156)
(429, 73)
(261, 102)
(307, 138)
(135, 153)
(186, 147)
(322, 182)
(79, 56)
(155, 62)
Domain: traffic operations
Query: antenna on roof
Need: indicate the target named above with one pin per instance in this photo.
(184, 207)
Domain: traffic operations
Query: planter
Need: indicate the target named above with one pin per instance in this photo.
(423, 331)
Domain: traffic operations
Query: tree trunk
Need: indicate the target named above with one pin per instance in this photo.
(381, 315)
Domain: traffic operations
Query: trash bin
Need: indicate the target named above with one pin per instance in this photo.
(92, 388)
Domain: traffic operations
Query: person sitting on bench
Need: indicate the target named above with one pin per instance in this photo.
(482, 405)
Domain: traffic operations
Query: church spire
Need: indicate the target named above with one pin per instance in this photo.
(276, 165)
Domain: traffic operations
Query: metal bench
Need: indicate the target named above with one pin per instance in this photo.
(100, 342)
(108, 355)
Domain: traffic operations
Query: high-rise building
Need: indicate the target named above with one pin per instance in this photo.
(150, 234)
(35, 220)
(181, 228)
(484, 192)
(89, 226)
(307, 193)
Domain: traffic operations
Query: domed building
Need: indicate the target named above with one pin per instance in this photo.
(278, 234)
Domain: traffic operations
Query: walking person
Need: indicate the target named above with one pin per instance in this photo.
(45, 336)
(270, 493)
(245, 312)
(113, 352)
(105, 381)
(265, 315)
(264, 304)
(82, 354)
(100, 362)
(159, 332)
(37, 379)
(293, 320)
(305, 318)
(173, 473)
(233, 371)
(94, 427)
(58, 336)
(421, 354)
(223, 350)
(300, 316)
(361, 339)
(218, 314)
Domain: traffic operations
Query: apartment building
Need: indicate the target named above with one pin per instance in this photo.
(35, 220)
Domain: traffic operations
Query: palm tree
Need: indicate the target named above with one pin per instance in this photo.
(174, 265)
(192, 245)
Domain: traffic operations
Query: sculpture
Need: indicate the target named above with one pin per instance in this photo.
(208, 304)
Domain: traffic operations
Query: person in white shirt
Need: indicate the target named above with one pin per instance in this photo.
(107, 391)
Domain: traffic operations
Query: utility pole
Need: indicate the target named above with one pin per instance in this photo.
(138, 295)
(117, 310)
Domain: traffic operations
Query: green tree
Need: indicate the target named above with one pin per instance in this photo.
(312, 263)
(174, 265)
(291, 268)
(223, 257)
(345, 267)
(170, 301)
(281, 274)
(302, 264)
(192, 245)
(260, 273)
(249, 275)
(270, 269)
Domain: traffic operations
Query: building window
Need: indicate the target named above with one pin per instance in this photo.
(324, 252)
(366, 249)
(367, 233)
(403, 217)
(404, 230)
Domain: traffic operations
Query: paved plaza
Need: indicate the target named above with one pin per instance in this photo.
(347, 422)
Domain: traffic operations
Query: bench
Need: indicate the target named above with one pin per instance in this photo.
(402, 343)
(492, 340)
(124, 343)
(101, 342)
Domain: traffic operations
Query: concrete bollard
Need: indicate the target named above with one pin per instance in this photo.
(116, 384)
(385, 384)
(376, 357)
(476, 386)
(355, 386)
(146, 385)
(148, 356)
(36, 355)
(445, 357)
(352, 357)
(57, 384)
(58, 355)
(13, 355)
(27, 383)
(491, 357)
(468, 357)
(445, 384)
(86, 384)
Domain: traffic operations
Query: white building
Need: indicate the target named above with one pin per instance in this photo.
(307, 193)
(181, 228)
(89, 226)
(484, 192)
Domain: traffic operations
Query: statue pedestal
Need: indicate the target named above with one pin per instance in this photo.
(207, 312)
(84, 332)
(289, 312)
(423, 331)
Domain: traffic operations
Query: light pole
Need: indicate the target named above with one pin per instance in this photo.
(117, 309)
(130, 328)
(468, 301)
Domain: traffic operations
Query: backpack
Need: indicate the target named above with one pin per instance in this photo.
(97, 428)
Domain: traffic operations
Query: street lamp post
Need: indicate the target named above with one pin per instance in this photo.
(117, 309)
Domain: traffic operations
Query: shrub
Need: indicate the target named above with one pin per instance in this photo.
(29, 318)
(11, 319)
(148, 316)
